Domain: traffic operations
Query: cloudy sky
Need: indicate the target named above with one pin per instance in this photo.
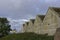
(19, 11)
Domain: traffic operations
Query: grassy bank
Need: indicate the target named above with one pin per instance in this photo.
(27, 36)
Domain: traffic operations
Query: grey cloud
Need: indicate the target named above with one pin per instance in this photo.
(20, 11)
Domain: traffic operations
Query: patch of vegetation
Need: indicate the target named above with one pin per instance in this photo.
(4, 27)
(27, 36)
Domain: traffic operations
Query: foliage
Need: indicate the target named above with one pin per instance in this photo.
(27, 36)
(4, 27)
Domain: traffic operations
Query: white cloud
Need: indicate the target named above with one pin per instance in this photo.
(29, 16)
(17, 23)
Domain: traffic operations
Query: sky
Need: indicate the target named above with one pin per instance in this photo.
(20, 11)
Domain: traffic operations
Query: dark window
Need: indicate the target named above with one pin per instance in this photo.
(59, 16)
(48, 24)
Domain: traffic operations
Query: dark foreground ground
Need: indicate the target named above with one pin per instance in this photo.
(27, 36)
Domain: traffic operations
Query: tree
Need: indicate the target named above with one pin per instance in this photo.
(4, 27)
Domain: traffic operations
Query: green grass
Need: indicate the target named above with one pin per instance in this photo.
(27, 36)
